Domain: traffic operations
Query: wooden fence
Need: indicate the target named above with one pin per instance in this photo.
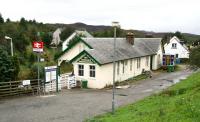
(16, 88)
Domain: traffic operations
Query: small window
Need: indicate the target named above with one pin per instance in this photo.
(81, 70)
(176, 55)
(92, 71)
(174, 45)
(126, 62)
(138, 63)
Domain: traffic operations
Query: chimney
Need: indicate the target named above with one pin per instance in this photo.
(130, 38)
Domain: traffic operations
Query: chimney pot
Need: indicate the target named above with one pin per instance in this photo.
(130, 38)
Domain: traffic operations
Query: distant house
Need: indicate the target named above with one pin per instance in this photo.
(56, 37)
(177, 48)
(76, 33)
(92, 58)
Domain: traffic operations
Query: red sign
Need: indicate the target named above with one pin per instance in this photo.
(38, 46)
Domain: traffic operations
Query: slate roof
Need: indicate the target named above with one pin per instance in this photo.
(103, 48)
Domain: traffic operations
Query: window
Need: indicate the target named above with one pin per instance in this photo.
(118, 69)
(138, 63)
(81, 70)
(174, 45)
(131, 61)
(147, 61)
(122, 66)
(92, 71)
(176, 55)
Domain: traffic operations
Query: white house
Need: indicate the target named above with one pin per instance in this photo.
(92, 58)
(56, 37)
(177, 48)
(71, 37)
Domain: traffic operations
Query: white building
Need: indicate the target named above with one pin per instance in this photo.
(92, 58)
(56, 37)
(175, 47)
(71, 37)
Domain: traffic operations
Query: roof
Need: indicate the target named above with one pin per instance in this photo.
(84, 33)
(102, 48)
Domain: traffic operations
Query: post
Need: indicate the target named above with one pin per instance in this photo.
(113, 89)
(57, 78)
(11, 45)
(38, 72)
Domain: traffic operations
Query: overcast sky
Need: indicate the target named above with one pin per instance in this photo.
(151, 15)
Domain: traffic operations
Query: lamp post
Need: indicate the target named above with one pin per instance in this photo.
(11, 44)
(115, 25)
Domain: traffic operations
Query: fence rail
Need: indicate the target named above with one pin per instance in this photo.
(16, 88)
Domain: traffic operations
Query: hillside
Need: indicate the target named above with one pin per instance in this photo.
(139, 33)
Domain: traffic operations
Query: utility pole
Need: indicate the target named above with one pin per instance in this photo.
(115, 25)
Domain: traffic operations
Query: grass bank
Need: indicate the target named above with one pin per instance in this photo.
(179, 103)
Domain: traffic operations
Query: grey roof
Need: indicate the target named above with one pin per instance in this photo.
(103, 48)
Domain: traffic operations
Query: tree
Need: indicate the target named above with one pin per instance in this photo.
(1, 19)
(66, 33)
(7, 20)
(46, 38)
(9, 67)
(195, 56)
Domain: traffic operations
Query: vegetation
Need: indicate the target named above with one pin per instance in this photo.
(179, 103)
(194, 57)
(9, 66)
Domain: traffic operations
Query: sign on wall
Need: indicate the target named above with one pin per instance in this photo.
(38, 46)
(26, 82)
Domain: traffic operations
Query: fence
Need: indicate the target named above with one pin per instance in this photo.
(17, 88)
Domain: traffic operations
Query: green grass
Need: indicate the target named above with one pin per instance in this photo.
(179, 103)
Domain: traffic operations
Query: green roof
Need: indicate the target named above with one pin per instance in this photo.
(75, 41)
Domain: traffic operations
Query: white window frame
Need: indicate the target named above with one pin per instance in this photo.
(174, 45)
(92, 71)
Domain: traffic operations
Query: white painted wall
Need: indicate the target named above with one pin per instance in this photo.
(180, 50)
(73, 52)
(157, 59)
(104, 73)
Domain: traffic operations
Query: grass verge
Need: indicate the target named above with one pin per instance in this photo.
(179, 103)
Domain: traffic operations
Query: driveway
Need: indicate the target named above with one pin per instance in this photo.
(76, 105)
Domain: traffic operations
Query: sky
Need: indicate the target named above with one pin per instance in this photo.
(149, 15)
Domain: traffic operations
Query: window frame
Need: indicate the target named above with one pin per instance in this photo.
(92, 71)
(80, 70)
(138, 63)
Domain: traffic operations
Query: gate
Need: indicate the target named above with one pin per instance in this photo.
(67, 80)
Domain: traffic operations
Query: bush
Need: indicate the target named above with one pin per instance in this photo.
(194, 57)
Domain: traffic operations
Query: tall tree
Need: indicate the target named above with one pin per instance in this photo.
(9, 67)
(1, 19)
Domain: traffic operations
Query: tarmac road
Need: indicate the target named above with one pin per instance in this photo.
(76, 105)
